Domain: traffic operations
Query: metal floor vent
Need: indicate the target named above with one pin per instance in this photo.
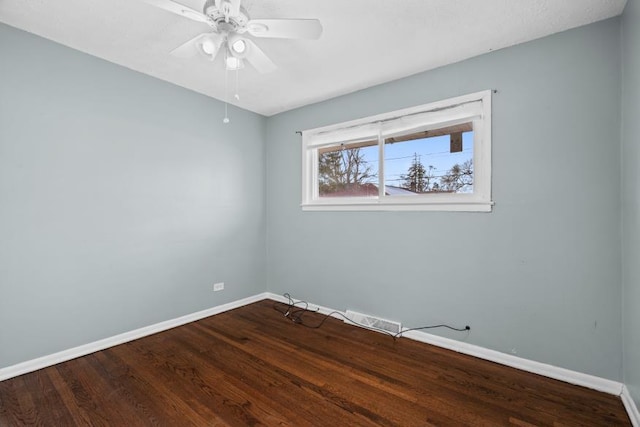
(373, 322)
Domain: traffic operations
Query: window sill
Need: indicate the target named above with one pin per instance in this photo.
(374, 205)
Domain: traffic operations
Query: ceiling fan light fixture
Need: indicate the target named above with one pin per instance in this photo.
(239, 46)
(232, 63)
(208, 47)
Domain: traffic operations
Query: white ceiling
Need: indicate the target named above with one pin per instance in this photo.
(364, 43)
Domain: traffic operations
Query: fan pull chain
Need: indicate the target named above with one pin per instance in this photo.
(237, 96)
(226, 96)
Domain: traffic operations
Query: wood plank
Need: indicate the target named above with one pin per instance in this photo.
(465, 127)
(252, 366)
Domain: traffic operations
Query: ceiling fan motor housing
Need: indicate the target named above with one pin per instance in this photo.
(233, 23)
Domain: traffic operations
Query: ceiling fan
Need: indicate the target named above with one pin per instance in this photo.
(230, 26)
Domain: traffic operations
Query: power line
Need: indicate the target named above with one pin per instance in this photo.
(434, 176)
(427, 155)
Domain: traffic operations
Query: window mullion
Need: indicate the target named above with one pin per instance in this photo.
(381, 189)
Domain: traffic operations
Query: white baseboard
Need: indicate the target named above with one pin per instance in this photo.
(83, 350)
(630, 406)
(546, 370)
(549, 371)
(321, 309)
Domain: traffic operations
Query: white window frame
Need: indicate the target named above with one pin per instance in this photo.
(475, 108)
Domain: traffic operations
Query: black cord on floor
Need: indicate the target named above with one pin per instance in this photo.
(295, 313)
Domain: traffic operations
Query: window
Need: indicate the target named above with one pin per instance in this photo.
(431, 157)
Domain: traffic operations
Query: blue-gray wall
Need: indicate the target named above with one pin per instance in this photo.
(122, 199)
(631, 195)
(540, 276)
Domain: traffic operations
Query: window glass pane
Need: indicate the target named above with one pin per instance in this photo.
(434, 161)
(348, 170)
(439, 153)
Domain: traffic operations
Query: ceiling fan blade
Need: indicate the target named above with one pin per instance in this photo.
(207, 44)
(285, 28)
(178, 9)
(235, 7)
(258, 58)
(228, 8)
(188, 49)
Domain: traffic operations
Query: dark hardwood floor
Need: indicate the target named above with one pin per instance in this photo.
(251, 366)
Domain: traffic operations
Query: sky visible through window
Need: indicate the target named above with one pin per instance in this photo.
(433, 151)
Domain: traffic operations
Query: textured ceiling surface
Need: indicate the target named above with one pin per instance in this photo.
(364, 43)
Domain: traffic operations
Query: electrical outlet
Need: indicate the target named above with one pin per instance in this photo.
(218, 286)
